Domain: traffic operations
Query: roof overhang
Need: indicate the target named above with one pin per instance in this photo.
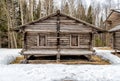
(115, 29)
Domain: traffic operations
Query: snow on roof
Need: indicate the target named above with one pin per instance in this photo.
(116, 28)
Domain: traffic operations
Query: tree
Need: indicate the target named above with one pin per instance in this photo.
(65, 8)
(8, 9)
(80, 12)
(48, 6)
(38, 10)
(89, 17)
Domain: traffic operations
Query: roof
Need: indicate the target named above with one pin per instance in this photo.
(116, 10)
(112, 10)
(59, 13)
(116, 28)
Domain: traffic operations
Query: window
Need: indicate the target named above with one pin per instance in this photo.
(42, 40)
(31, 40)
(74, 40)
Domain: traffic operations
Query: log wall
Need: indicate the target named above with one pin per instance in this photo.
(38, 40)
(72, 34)
(117, 41)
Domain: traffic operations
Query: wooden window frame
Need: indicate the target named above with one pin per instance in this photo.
(38, 40)
(71, 40)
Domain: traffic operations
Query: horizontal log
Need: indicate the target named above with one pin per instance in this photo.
(75, 31)
(40, 31)
(59, 17)
(43, 23)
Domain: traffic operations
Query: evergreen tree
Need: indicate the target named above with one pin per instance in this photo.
(89, 17)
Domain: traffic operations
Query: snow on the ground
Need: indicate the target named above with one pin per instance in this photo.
(106, 54)
(8, 55)
(59, 72)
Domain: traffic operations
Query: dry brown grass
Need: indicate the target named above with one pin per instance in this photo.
(95, 60)
(105, 48)
(99, 60)
(18, 60)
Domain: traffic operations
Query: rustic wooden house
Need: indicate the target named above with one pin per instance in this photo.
(112, 21)
(113, 26)
(58, 34)
(115, 37)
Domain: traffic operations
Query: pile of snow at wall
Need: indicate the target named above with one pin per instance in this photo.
(59, 72)
(106, 54)
(8, 55)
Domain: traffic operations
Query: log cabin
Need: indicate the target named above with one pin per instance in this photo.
(113, 26)
(58, 34)
(115, 38)
(112, 21)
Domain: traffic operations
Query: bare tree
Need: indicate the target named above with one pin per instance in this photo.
(11, 36)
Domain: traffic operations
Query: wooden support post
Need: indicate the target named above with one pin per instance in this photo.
(58, 36)
(113, 41)
(58, 56)
(91, 41)
(115, 52)
(25, 61)
(25, 41)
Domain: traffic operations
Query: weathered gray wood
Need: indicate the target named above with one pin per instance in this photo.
(58, 37)
(56, 51)
(52, 35)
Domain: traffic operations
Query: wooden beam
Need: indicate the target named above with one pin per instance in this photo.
(25, 41)
(58, 36)
(113, 40)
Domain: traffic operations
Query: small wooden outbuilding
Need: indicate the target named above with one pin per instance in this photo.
(58, 34)
(115, 38)
(113, 26)
(112, 21)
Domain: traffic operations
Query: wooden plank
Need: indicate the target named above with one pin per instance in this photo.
(25, 40)
(41, 31)
(45, 23)
(75, 31)
(43, 47)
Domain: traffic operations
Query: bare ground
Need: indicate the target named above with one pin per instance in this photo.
(94, 60)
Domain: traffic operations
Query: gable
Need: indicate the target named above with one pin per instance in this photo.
(113, 19)
(67, 24)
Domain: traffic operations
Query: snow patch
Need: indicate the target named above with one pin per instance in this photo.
(106, 54)
(59, 72)
(8, 55)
